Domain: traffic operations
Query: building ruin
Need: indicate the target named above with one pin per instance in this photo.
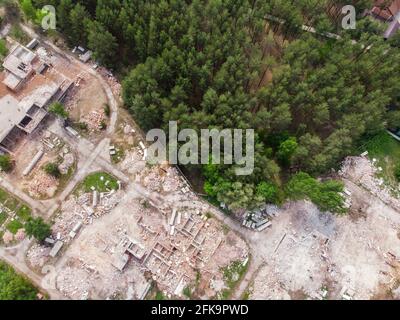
(23, 106)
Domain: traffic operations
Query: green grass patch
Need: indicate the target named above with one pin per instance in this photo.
(232, 276)
(159, 296)
(3, 49)
(12, 203)
(24, 212)
(3, 196)
(3, 217)
(187, 291)
(99, 180)
(386, 150)
(14, 226)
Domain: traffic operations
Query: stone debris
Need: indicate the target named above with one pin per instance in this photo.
(67, 163)
(362, 171)
(94, 120)
(38, 256)
(51, 141)
(74, 282)
(128, 130)
(132, 163)
(42, 185)
(79, 210)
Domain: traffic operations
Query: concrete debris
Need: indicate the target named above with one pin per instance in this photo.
(38, 256)
(56, 249)
(94, 120)
(8, 237)
(42, 185)
(128, 130)
(34, 162)
(80, 211)
(362, 171)
(72, 132)
(49, 240)
(75, 230)
(68, 162)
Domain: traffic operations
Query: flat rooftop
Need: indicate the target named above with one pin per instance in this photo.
(18, 66)
(11, 114)
(19, 62)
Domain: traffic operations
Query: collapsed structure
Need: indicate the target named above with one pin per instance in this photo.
(27, 88)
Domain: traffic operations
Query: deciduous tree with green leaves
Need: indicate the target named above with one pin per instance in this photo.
(37, 228)
(58, 109)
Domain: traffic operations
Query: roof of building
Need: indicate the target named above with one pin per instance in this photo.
(12, 81)
(10, 114)
(386, 12)
(40, 96)
(12, 111)
(18, 65)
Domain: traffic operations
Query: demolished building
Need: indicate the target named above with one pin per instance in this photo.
(23, 109)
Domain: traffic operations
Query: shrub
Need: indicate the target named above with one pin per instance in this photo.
(397, 172)
(325, 195)
(268, 191)
(3, 48)
(58, 109)
(5, 163)
(52, 170)
(103, 125)
(107, 110)
(37, 228)
(83, 126)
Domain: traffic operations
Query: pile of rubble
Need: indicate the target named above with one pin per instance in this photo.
(74, 282)
(38, 256)
(83, 209)
(271, 288)
(42, 185)
(164, 179)
(50, 141)
(67, 162)
(94, 120)
(172, 181)
(363, 172)
(153, 180)
(132, 163)
(70, 101)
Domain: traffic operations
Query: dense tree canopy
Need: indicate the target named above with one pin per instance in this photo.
(227, 64)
